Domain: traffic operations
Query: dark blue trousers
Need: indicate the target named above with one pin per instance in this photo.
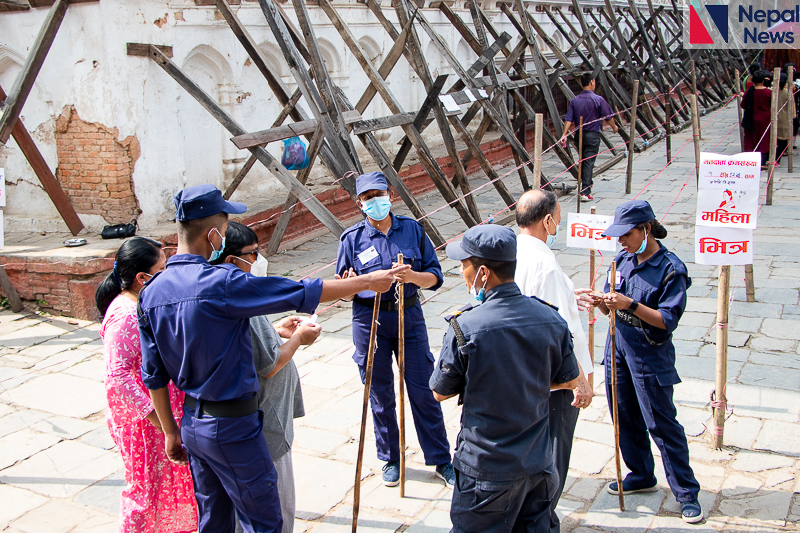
(232, 470)
(645, 407)
(563, 419)
(426, 411)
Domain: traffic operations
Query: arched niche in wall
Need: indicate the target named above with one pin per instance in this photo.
(359, 81)
(466, 57)
(202, 135)
(39, 105)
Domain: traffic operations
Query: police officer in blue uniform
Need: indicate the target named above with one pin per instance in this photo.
(649, 300)
(503, 357)
(195, 331)
(374, 244)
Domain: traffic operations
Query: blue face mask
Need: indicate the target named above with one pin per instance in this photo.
(644, 244)
(480, 295)
(216, 253)
(377, 208)
(551, 239)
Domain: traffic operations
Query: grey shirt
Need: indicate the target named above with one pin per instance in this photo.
(279, 397)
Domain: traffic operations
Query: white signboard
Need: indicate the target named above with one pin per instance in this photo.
(723, 246)
(728, 190)
(2, 188)
(584, 231)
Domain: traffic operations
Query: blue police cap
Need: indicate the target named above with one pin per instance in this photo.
(628, 216)
(203, 201)
(374, 181)
(490, 241)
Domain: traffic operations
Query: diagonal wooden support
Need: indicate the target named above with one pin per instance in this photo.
(33, 64)
(49, 182)
(265, 158)
(419, 121)
(11, 293)
(237, 180)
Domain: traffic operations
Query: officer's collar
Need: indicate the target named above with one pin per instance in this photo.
(504, 290)
(372, 230)
(187, 258)
(653, 259)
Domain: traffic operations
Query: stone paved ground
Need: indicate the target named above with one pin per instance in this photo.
(59, 470)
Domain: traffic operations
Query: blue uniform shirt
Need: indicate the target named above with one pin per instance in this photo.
(194, 325)
(590, 106)
(516, 347)
(659, 283)
(365, 249)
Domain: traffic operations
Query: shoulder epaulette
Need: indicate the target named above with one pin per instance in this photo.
(351, 229)
(545, 303)
(459, 312)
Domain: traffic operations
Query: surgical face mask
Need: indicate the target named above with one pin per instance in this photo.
(259, 267)
(216, 253)
(480, 295)
(644, 244)
(551, 239)
(377, 208)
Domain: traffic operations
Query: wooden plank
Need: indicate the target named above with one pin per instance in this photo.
(143, 50)
(49, 182)
(383, 123)
(11, 292)
(49, 3)
(276, 169)
(260, 138)
(27, 76)
(13, 5)
(237, 180)
(422, 115)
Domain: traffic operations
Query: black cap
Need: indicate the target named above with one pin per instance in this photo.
(203, 201)
(492, 242)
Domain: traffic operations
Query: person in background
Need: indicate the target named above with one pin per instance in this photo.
(159, 495)
(503, 357)
(374, 244)
(756, 118)
(539, 274)
(592, 107)
(785, 122)
(649, 301)
(279, 394)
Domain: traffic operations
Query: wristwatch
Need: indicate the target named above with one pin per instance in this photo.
(634, 305)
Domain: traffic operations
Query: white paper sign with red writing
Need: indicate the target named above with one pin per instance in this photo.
(2, 188)
(727, 193)
(723, 246)
(584, 229)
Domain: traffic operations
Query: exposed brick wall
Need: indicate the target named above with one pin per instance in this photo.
(95, 169)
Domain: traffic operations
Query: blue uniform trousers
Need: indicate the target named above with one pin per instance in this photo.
(426, 411)
(646, 406)
(563, 419)
(232, 471)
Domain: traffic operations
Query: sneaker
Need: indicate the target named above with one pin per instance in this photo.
(447, 473)
(691, 512)
(391, 474)
(586, 197)
(613, 488)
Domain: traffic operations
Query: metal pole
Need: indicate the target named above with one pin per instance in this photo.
(376, 306)
(632, 136)
(580, 162)
(720, 401)
(401, 370)
(537, 151)
(612, 332)
(773, 132)
(668, 124)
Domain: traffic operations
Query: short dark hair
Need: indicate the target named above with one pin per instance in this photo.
(504, 270)
(533, 210)
(586, 79)
(192, 229)
(237, 236)
(759, 76)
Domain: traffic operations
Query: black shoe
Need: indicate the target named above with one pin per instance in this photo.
(391, 474)
(691, 512)
(612, 488)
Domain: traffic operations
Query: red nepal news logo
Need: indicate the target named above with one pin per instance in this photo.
(698, 33)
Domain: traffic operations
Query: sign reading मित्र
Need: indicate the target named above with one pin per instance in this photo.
(584, 231)
(727, 208)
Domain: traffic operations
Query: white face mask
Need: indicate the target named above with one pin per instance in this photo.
(259, 267)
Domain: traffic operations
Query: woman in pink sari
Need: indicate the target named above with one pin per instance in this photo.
(159, 496)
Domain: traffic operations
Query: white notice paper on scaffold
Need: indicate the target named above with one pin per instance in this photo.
(728, 190)
(2, 187)
(449, 103)
(723, 246)
(584, 229)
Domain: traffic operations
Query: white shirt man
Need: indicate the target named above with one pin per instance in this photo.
(539, 274)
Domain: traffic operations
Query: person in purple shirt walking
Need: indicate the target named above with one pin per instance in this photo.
(592, 107)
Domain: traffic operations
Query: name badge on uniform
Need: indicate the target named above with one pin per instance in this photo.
(368, 255)
(619, 279)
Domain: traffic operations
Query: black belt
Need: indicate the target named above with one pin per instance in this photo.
(629, 319)
(224, 409)
(386, 305)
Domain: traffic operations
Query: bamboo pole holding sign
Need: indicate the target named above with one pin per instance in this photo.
(592, 254)
(580, 162)
(773, 132)
(632, 137)
(719, 402)
(401, 370)
(612, 332)
(376, 306)
(738, 89)
(694, 90)
(696, 137)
